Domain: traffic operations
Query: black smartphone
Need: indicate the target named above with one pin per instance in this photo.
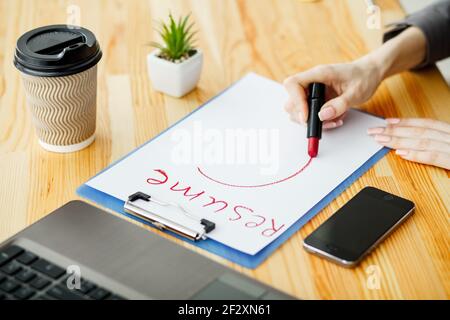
(359, 226)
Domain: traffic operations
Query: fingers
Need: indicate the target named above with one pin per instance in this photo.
(296, 86)
(321, 74)
(412, 143)
(334, 108)
(436, 158)
(410, 132)
(297, 99)
(422, 140)
(294, 115)
(332, 124)
(420, 123)
(336, 123)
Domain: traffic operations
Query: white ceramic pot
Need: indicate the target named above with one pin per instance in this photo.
(174, 79)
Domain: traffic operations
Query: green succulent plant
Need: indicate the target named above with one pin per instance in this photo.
(177, 39)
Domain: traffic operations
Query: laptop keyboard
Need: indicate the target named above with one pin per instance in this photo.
(24, 275)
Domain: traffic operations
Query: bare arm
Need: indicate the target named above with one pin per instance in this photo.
(401, 53)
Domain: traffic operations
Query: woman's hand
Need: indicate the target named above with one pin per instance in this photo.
(420, 140)
(348, 84)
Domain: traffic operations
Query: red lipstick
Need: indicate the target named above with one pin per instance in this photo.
(316, 100)
(313, 147)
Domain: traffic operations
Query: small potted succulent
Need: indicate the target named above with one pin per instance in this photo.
(175, 65)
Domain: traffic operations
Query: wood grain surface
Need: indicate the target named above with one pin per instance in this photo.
(274, 38)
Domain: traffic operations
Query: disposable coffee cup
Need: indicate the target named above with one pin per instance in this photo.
(58, 65)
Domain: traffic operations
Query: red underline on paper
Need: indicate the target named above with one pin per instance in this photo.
(257, 185)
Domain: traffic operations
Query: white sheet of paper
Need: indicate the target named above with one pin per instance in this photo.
(249, 218)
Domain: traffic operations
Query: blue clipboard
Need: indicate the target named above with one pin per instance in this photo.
(238, 257)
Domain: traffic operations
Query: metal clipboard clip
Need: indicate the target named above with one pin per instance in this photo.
(194, 229)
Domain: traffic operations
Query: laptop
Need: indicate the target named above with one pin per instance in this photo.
(81, 252)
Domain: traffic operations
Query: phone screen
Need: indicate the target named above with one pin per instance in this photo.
(359, 224)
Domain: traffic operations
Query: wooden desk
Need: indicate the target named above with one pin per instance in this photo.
(274, 39)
